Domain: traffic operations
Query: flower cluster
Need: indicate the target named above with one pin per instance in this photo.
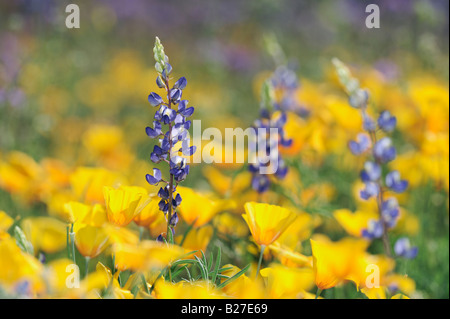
(269, 120)
(177, 134)
(382, 152)
(285, 80)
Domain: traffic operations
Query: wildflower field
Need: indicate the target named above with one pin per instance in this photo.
(286, 149)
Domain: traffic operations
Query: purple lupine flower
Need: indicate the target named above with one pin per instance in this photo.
(358, 100)
(177, 126)
(369, 124)
(155, 179)
(371, 190)
(390, 211)
(374, 229)
(174, 219)
(395, 183)
(384, 151)
(154, 99)
(260, 183)
(155, 131)
(181, 83)
(160, 238)
(160, 83)
(269, 145)
(175, 95)
(404, 249)
(387, 122)
(371, 172)
(361, 145)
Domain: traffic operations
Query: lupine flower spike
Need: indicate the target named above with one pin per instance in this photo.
(269, 120)
(170, 127)
(382, 152)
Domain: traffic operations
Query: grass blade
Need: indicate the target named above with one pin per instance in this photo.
(233, 278)
(217, 265)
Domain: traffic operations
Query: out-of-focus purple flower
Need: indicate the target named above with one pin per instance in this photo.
(371, 190)
(371, 172)
(394, 182)
(359, 99)
(384, 150)
(390, 211)
(404, 249)
(369, 124)
(260, 183)
(374, 229)
(387, 122)
(361, 145)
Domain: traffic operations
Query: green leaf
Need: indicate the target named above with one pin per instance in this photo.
(233, 278)
(177, 271)
(184, 261)
(210, 261)
(217, 265)
(203, 270)
(22, 241)
(188, 254)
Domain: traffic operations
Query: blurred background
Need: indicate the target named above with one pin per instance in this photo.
(80, 95)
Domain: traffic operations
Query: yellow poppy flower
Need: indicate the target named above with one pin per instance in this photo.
(224, 184)
(19, 174)
(91, 241)
(267, 222)
(334, 262)
(16, 265)
(57, 276)
(369, 270)
(230, 224)
(56, 205)
(289, 257)
(5, 223)
(121, 235)
(45, 233)
(243, 287)
(197, 239)
(186, 290)
(149, 213)
(75, 211)
(299, 230)
(146, 255)
(354, 223)
(284, 282)
(375, 292)
(122, 204)
(158, 227)
(115, 290)
(88, 182)
(198, 209)
(403, 283)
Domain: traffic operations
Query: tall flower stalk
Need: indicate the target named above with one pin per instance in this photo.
(382, 151)
(269, 119)
(170, 127)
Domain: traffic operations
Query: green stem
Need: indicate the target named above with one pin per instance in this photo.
(72, 239)
(261, 253)
(318, 292)
(87, 266)
(113, 268)
(68, 242)
(145, 284)
(141, 232)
